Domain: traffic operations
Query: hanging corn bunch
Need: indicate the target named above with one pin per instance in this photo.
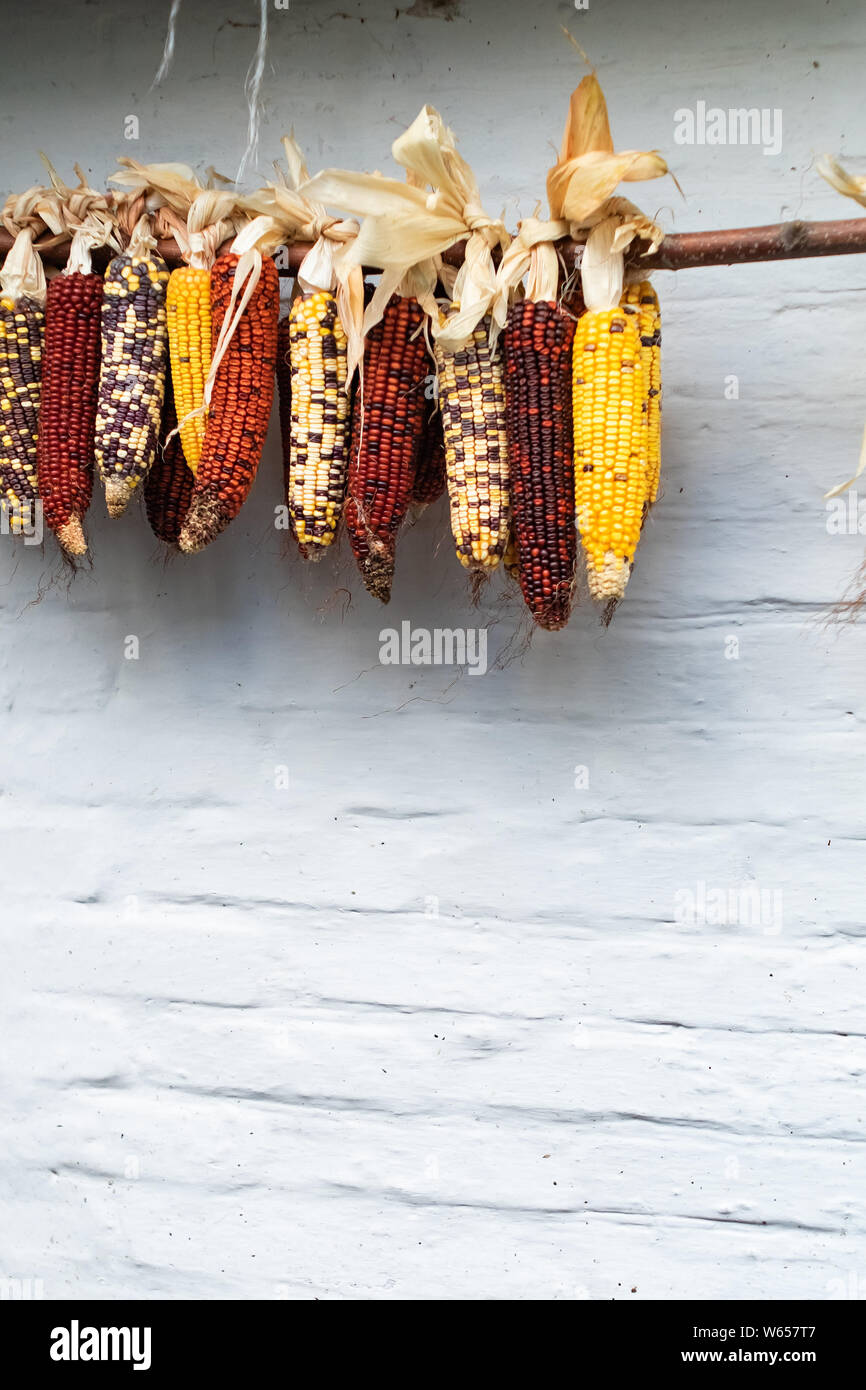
(612, 373)
(537, 344)
(245, 300)
(405, 231)
(324, 343)
(68, 418)
(188, 304)
(388, 430)
(133, 367)
(70, 383)
(319, 421)
(200, 219)
(472, 401)
(169, 483)
(22, 323)
(610, 446)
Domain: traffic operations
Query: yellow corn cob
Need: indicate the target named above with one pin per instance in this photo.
(472, 401)
(644, 300)
(189, 339)
(319, 425)
(610, 465)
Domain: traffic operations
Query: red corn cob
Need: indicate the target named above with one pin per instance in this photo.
(169, 484)
(387, 433)
(240, 405)
(70, 385)
(538, 387)
(429, 481)
(284, 388)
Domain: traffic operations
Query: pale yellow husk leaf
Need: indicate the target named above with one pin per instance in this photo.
(404, 226)
(300, 214)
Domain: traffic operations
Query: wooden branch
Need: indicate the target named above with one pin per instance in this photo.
(784, 241)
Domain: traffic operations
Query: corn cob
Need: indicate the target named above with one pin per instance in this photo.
(319, 434)
(644, 300)
(538, 393)
(70, 386)
(188, 314)
(132, 374)
(284, 390)
(240, 407)
(609, 447)
(22, 325)
(169, 484)
(429, 482)
(387, 432)
(472, 400)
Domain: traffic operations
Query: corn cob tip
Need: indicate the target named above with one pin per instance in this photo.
(609, 582)
(71, 537)
(377, 572)
(554, 616)
(313, 553)
(204, 521)
(117, 495)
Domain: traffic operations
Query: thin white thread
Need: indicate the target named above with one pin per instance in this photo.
(168, 49)
(252, 90)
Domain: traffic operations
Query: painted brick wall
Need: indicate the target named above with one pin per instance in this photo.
(428, 1021)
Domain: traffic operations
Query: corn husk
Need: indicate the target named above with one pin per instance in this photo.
(300, 216)
(850, 185)
(581, 187)
(580, 190)
(200, 218)
(406, 228)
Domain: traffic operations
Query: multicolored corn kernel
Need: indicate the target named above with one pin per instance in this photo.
(132, 373)
(319, 425)
(188, 314)
(611, 485)
(472, 401)
(538, 392)
(22, 327)
(169, 483)
(67, 420)
(643, 299)
(243, 392)
(388, 428)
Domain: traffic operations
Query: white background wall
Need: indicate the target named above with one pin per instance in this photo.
(239, 1060)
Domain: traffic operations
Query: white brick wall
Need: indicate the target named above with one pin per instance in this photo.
(242, 1056)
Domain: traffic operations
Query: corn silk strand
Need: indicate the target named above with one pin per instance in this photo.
(168, 47)
(253, 93)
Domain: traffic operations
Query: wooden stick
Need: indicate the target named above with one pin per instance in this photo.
(784, 241)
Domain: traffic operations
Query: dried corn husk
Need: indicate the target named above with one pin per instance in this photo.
(406, 228)
(199, 218)
(580, 189)
(300, 216)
